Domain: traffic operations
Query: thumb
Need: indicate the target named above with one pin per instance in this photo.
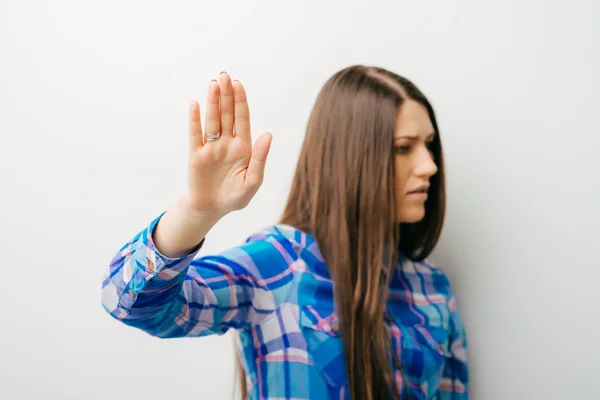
(258, 160)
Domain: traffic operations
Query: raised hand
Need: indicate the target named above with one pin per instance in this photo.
(224, 174)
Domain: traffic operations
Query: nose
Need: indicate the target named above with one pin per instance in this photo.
(425, 164)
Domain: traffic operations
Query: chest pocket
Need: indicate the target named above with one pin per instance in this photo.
(424, 352)
(320, 328)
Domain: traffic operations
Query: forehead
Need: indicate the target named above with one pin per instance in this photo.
(413, 120)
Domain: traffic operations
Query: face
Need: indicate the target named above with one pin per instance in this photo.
(414, 163)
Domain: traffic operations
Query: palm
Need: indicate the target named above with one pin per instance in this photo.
(224, 175)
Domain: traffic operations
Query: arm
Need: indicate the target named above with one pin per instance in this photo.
(455, 375)
(183, 296)
(155, 284)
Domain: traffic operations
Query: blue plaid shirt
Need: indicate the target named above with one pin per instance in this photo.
(275, 290)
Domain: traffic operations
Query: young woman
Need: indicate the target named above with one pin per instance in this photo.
(336, 300)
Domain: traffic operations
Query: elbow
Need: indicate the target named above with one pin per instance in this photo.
(110, 296)
(109, 299)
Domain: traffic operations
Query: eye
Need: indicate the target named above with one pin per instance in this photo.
(429, 145)
(401, 149)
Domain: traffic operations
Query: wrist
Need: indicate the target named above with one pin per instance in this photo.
(195, 216)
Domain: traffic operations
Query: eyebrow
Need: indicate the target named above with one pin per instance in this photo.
(413, 137)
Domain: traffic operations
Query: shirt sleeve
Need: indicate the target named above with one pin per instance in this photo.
(187, 296)
(455, 376)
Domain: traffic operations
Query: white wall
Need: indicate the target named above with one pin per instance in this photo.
(93, 108)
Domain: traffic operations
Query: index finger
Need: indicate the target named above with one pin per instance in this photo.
(195, 125)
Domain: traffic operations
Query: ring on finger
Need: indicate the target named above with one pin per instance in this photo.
(211, 137)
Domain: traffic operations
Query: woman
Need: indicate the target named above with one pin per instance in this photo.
(365, 208)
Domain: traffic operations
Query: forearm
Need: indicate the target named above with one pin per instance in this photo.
(180, 229)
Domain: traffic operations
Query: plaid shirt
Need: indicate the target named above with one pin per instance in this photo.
(276, 291)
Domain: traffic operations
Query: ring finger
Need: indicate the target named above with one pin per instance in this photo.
(213, 118)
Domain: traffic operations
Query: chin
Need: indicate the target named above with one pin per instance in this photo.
(411, 216)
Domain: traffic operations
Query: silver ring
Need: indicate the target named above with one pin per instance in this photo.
(211, 137)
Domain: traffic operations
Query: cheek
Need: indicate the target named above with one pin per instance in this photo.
(400, 180)
(400, 190)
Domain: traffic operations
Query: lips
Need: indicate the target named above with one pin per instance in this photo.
(418, 191)
(421, 189)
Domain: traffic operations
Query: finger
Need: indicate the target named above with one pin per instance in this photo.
(241, 112)
(226, 104)
(258, 160)
(212, 121)
(195, 125)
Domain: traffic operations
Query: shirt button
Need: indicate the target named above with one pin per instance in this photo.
(398, 364)
(131, 293)
(388, 318)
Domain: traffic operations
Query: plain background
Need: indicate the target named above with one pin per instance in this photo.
(93, 118)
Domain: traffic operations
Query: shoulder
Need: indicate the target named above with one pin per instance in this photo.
(300, 248)
(292, 239)
(428, 273)
(272, 247)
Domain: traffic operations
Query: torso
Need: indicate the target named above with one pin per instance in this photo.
(297, 352)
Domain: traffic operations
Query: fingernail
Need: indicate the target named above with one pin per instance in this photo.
(214, 80)
(223, 72)
(235, 80)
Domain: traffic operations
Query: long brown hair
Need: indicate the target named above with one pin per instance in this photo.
(343, 194)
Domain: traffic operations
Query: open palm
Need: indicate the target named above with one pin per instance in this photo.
(224, 175)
